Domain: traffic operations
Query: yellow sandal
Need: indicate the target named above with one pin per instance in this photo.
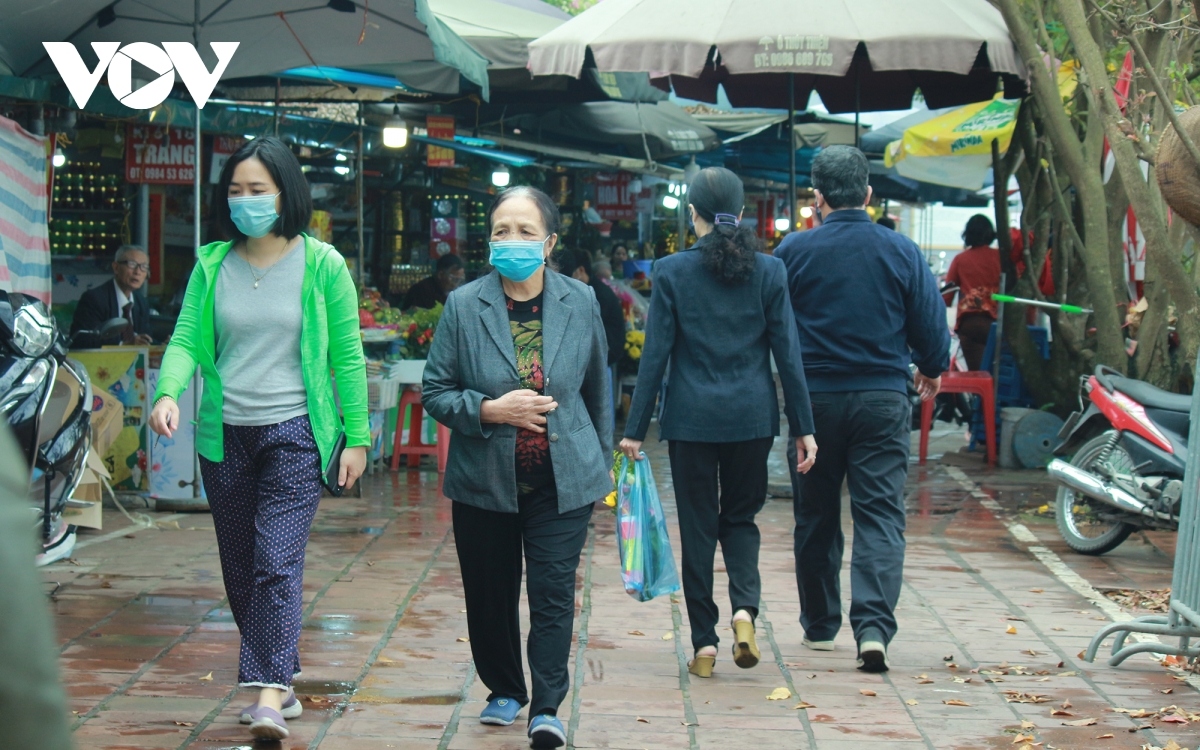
(702, 666)
(745, 650)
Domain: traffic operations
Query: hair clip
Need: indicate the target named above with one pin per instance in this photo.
(732, 219)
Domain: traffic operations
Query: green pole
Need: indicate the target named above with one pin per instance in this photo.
(1069, 309)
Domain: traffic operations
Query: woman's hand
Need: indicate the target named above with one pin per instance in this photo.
(164, 420)
(354, 463)
(806, 453)
(631, 448)
(524, 409)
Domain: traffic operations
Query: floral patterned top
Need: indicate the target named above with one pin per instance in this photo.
(534, 469)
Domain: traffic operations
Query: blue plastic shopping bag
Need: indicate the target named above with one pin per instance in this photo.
(647, 566)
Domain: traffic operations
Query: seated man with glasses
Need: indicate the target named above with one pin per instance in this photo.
(117, 299)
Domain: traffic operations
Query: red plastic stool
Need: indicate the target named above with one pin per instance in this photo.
(965, 382)
(415, 448)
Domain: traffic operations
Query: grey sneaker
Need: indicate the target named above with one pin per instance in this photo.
(818, 645)
(267, 724)
(872, 652)
(291, 708)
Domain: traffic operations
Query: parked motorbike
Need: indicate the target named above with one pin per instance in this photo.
(1128, 445)
(46, 398)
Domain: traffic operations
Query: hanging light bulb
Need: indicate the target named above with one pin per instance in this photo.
(782, 224)
(342, 170)
(395, 131)
(59, 158)
(501, 176)
(690, 171)
(806, 212)
(635, 186)
(340, 156)
(670, 202)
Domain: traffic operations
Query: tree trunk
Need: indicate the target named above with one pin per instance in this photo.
(1166, 265)
(1086, 179)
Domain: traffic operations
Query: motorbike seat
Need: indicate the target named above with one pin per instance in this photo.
(1152, 397)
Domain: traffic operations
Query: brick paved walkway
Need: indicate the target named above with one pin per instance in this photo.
(149, 645)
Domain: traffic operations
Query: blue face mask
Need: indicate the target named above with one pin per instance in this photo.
(253, 215)
(517, 260)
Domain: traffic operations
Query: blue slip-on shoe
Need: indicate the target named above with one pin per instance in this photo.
(500, 712)
(268, 724)
(546, 732)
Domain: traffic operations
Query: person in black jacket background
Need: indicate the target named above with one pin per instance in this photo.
(719, 311)
(578, 265)
(866, 306)
(118, 299)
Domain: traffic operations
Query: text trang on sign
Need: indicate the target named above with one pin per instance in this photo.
(118, 60)
(160, 155)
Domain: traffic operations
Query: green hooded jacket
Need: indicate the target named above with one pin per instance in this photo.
(329, 338)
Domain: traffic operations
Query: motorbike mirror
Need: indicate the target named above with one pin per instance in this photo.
(111, 330)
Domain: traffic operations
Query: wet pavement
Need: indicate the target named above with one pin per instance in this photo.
(993, 602)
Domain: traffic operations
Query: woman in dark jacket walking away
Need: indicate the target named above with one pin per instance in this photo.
(718, 313)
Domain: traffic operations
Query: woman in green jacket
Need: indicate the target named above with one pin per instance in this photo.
(266, 317)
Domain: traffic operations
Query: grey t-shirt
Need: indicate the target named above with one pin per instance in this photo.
(258, 340)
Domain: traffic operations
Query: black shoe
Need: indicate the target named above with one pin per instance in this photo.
(872, 652)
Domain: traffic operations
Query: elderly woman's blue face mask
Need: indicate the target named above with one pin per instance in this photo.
(517, 260)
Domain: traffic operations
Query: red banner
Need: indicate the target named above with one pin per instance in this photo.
(160, 155)
(224, 146)
(614, 201)
(440, 127)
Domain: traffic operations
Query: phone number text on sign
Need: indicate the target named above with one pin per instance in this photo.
(160, 155)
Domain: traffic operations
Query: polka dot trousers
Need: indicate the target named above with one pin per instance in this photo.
(263, 498)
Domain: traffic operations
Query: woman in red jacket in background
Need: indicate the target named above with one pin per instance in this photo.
(976, 272)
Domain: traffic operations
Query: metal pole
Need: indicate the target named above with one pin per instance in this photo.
(681, 221)
(358, 181)
(999, 346)
(792, 150)
(857, 109)
(196, 482)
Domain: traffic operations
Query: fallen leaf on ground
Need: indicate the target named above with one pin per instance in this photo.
(1060, 712)
(1066, 703)
(106, 585)
(1168, 691)
(803, 704)
(1108, 736)
(370, 564)
(185, 723)
(1023, 738)
(868, 693)
(948, 658)
(1173, 745)
(207, 677)
(463, 640)
(1012, 630)
(962, 680)
(1016, 696)
(1027, 724)
(1175, 719)
(690, 724)
(1068, 674)
(923, 680)
(913, 702)
(1081, 723)
(956, 702)
(1059, 630)
(1037, 591)
(1030, 652)
(779, 694)
(636, 632)
(812, 677)
(668, 636)
(951, 666)
(319, 701)
(644, 721)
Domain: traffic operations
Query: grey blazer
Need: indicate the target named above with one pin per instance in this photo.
(472, 358)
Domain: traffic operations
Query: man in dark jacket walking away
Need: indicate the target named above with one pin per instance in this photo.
(866, 307)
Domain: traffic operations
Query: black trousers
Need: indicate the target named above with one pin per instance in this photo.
(490, 556)
(973, 332)
(863, 436)
(719, 488)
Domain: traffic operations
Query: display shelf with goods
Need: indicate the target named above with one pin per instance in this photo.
(396, 346)
(89, 213)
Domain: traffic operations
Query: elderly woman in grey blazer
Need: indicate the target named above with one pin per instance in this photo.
(518, 372)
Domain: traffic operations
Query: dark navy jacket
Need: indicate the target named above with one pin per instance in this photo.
(866, 305)
(719, 339)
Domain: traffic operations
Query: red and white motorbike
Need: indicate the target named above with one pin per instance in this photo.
(1127, 448)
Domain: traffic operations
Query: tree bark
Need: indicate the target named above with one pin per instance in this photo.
(1086, 179)
(1168, 267)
